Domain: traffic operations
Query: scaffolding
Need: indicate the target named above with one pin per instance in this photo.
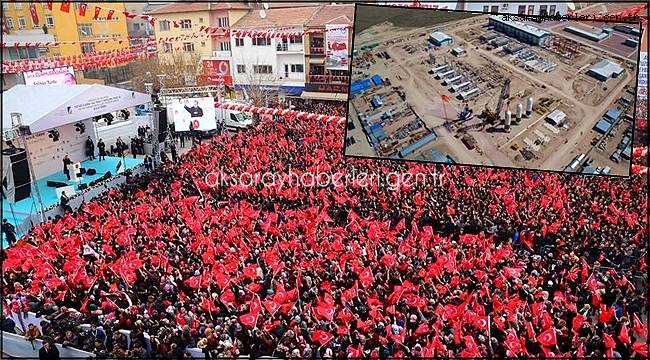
(565, 47)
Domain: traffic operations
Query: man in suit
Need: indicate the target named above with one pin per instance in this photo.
(195, 111)
(102, 149)
(64, 203)
(49, 351)
(90, 148)
(66, 163)
(9, 230)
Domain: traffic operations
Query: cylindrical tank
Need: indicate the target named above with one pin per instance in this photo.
(508, 120)
(529, 107)
(520, 111)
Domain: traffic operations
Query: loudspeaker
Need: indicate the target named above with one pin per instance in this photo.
(91, 171)
(16, 179)
(82, 171)
(83, 186)
(162, 125)
(108, 175)
(56, 184)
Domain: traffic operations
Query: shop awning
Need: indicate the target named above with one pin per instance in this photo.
(324, 96)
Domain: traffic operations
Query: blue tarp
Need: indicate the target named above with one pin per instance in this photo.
(418, 144)
(359, 86)
(437, 156)
(602, 126)
(377, 80)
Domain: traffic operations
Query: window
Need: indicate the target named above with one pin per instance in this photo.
(164, 25)
(295, 40)
(262, 69)
(87, 47)
(22, 53)
(19, 6)
(202, 43)
(495, 9)
(201, 20)
(167, 47)
(224, 46)
(136, 27)
(531, 9)
(188, 47)
(241, 69)
(223, 22)
(85, 29)
(297, 68)
(521, 10)
(261, 42)
(49, 20)
(542, 10)
(186, 24)
(239, 42)
(551, 10)
(486, 9)
(5, 6)
(10, 22)
(21, 22)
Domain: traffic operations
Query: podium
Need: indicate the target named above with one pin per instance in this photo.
(75, 174)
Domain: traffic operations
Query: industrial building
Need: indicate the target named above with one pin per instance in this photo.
(586, 34)
(438, 38)
(458, 52)
(520, 31)
(631, 42)
(556, 117)
(605, 70)
(602, 126)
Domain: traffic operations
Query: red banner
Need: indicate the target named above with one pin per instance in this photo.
(218, 71)
(82, 9)
(33, 13)
(65, 6)
(97, 11)
(110, 15)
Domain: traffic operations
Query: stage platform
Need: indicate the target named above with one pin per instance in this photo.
(21, 212)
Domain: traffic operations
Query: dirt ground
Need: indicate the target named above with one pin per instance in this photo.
(583, 99)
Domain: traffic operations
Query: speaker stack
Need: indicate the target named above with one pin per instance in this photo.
(162, 125)
(16, 181)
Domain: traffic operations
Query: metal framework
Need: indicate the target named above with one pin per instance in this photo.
(165, 93)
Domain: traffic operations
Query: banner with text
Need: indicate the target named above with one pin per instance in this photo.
(337, 47)
(58, 76)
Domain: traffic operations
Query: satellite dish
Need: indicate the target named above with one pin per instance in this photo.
(265, 6)
(263, 14)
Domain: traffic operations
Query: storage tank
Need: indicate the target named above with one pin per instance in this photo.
(452, 80)
(520, 111)
(529, 107)
(469, 94)
(460, 87)
(439, 68)
(508, 120)
(445, 74)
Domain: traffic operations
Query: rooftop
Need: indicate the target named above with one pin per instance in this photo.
(439, 36)
(531, 30)
(606, 68)
(182, 7)
(276, 18)
(339, 14)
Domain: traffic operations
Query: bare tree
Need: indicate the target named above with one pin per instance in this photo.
(177, 67)
(259, 81)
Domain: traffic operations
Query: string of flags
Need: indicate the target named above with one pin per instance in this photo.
(283, 112)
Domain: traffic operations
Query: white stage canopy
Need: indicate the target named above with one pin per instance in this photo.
(47, 107)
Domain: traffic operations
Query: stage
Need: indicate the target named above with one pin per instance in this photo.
(23, 212)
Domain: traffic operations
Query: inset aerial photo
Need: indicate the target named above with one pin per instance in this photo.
(486, 89)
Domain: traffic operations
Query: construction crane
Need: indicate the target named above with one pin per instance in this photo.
(493, 117)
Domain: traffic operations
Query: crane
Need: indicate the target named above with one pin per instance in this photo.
(494, 117)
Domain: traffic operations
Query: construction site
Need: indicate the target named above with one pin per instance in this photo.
(484, 90)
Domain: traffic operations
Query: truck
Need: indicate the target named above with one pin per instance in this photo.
(233, 119)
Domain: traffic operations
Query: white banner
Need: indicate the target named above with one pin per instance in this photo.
(337, 47)
(58, 76)
(199, 112)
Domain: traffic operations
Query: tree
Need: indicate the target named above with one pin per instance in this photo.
(178, 68)
(257, 79)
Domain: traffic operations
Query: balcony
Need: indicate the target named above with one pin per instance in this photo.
(328, 79)
(317, 50)
(289, 48)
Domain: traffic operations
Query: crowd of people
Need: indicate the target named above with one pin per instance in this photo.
(480, 262)
(324, 107)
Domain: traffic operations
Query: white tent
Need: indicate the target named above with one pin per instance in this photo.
(45, 107)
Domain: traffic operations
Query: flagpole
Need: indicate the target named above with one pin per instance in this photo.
(489, 336)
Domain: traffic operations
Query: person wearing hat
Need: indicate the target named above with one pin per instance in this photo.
(49, 351)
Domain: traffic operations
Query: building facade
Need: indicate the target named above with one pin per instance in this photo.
(321, 81)
(271, 63)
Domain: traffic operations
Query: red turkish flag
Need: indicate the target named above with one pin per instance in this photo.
(110, 14)
(547, 338)
(82, 9)
(249, 320)
(321, 337)
(641, 348)
(577, 322)
(623, 335)
(271, 306)
(481, 323)
(49, 5)
(325, 311)
(609, 342)
(637, 326)
(97, 11)
(33, 13)
(65, 6)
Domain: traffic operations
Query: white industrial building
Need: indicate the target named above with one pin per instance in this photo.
(556, 117)
(527, 8)
(605, 70)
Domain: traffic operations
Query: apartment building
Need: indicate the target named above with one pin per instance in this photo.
(322, 80)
